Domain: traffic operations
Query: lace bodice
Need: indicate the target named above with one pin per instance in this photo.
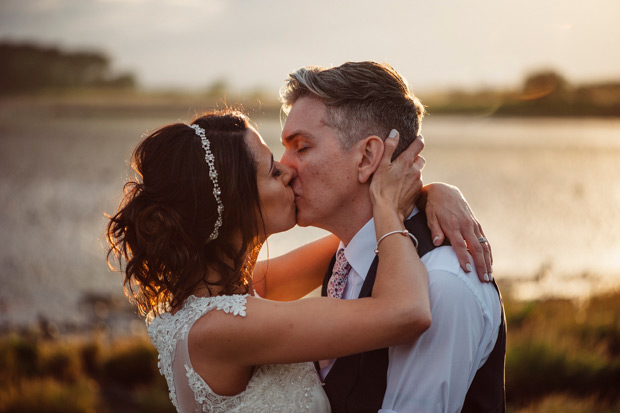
(272, 388)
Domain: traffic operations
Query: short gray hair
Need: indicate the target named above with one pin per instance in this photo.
(363, 99)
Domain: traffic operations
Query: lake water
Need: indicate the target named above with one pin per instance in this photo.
(547, 192)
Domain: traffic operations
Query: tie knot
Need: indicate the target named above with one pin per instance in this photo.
(338, 280)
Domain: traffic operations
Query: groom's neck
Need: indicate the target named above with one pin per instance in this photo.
(350, 219)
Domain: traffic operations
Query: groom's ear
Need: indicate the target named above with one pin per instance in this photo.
(371, 151)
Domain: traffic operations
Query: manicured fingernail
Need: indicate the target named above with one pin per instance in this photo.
(437, 239)
(468, 267)
(486, 277)
(490, 276)
(393, 133)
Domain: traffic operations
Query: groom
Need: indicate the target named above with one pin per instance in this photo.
(456, 365)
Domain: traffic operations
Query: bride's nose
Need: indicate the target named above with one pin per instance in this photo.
(288, 174)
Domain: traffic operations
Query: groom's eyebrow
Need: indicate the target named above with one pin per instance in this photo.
(290, 137)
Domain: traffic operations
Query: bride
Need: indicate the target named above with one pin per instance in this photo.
(187, 235)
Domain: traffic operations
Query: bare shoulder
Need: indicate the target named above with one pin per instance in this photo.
(215, 342)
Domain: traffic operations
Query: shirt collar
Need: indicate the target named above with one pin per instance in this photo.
(360, 252)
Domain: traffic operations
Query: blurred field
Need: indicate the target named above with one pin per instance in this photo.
(562, 356)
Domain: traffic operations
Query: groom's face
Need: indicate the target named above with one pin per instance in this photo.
(326, 172)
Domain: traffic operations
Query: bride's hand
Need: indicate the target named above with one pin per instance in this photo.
(397, 184)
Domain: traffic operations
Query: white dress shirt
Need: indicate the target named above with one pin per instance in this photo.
(434, 373)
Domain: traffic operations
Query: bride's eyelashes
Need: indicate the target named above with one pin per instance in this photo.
(276, 172)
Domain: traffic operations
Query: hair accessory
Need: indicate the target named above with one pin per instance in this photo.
(206, 145)
(404, 232)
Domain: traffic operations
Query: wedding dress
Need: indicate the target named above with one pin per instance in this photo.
(272, 388)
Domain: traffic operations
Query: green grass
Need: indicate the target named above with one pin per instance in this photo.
(562, 356)
(562, 352)
(80, 375)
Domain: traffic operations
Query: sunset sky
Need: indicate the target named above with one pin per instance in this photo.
(255, 43)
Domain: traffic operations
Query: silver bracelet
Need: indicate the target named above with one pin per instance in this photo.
(403, 232)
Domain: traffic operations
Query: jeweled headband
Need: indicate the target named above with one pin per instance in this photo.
(206, 145)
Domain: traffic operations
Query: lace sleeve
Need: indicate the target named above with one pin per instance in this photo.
(234, 304)
(196, 307)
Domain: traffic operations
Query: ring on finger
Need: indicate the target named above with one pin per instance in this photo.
(482, 240)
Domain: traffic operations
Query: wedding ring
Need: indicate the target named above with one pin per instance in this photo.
(482, 240)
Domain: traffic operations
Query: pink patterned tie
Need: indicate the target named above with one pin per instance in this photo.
(338, 280)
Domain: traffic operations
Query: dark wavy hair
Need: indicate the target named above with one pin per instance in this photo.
(159, 237)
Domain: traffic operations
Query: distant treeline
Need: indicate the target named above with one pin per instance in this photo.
(544, 93)
(35, 68)
(29, 67)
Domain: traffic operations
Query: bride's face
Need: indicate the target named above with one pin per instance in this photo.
(277, 200)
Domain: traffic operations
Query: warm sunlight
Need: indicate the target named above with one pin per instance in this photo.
(523, 118)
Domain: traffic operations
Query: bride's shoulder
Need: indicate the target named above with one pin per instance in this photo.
(220, 323)
(219, 309)
(231, 304)
(195, 308)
